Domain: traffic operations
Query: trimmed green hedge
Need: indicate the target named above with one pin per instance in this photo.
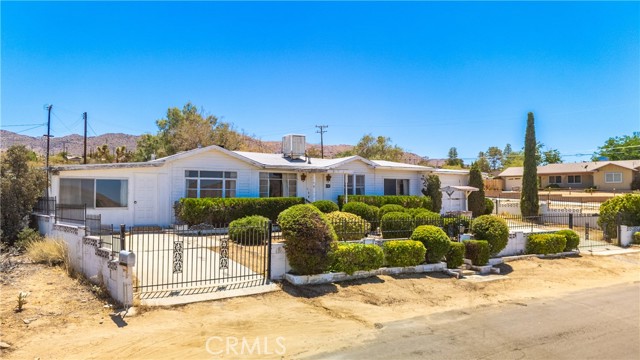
(348, 226)
(218, 211)
(250, 230)
(434, 239)
(381, 200)
(455, 255)
(620, 210)
(636, 237)
(401, 253)
(367, 212)
(427, 218)
(488, 206)
(385, 209)
(492, 229)
(350, 258)
(309, 238)
(477, 251)
(396, 225)
(573, 239)
(545, 244)
(326, 206)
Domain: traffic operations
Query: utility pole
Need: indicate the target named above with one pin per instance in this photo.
(48, 142)
(321, 131)
(84, 116)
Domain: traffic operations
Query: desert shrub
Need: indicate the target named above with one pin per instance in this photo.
(218, 211)
(545, 244)
(26, 236)
(403, 253)
(326, 206)
(348, 226)
(488, 206)
(477, 251)
(405, 201)
(367, 212)
(434, 239)
(249, 230)
(385, 209)
(492, 229)
(309, 237)
(623, 209)
(396, 225)
(350, 258)
(427, 218)
(636, 237)
(455, 255)
(48, 251)
(573, 239)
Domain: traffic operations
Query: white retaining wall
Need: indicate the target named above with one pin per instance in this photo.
(626, 234)
(87, 257)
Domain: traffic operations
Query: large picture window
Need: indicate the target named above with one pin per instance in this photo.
(555, 179)
(210, 184)
(396, 186)
(574, 179)
(613, 177)
(359, 182)
(278, 185)
(95, 193)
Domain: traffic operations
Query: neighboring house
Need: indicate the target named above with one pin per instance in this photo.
(604, 175)
(144, 193)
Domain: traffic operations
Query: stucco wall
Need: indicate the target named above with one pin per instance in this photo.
(599, 178)
(587, 181)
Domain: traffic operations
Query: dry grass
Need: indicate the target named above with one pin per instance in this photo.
(253, 257)
(53, 252)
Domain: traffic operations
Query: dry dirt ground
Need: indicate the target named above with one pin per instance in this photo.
(64, 319)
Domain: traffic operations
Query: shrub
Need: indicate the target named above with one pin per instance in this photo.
(572, 237)
(492, 229)
(350, 258)
(367, 212)
(396, 225)
(545, 244)
(379, 201)
(48, 251)
(420, 211)
(250, 230)
(348, 226)
(216, 211)
(403, 253)
(488, 206)
(326, 206)
(26, 236)
(620, 210)
(451, 224)
(636, 237)
(434, 239)
(427, 218)
(477, 251)
(309, 237)
(385, 209)
(455, 255)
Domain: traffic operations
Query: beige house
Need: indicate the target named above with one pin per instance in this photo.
(604, 175)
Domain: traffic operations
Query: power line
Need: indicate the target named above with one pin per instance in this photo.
(23, 125)
(321, 131)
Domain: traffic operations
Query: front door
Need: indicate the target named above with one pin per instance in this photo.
(145, 199)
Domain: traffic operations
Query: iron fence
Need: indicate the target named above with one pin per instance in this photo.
(45, 205)
(74, 214)
(557, 203)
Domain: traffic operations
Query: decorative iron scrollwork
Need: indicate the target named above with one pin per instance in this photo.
(224, 253)
(177, 256)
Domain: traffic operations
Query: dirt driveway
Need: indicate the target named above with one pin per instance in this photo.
(64, 320)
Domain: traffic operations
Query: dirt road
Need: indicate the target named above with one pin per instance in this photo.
(66, 321)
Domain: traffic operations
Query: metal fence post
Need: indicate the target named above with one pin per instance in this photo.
(570, 220)
(122, 234)
(270, 230)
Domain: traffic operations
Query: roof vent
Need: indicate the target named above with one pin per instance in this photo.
(293, 146)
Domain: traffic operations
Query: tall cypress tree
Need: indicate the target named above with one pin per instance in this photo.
(476, 198)
(529, 195)
(431, 189)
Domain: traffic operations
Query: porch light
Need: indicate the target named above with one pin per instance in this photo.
(328, 177)
(303, 177)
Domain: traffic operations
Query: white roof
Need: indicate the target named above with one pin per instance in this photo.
(573, 168)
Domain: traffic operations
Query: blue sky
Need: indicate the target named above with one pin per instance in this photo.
(429, 75)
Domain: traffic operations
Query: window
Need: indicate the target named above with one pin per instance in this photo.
(95, 193)
(210, 184)
(556, 179)
(396, 186)
(278, 185)
(574, 179)
(359, 188)
(613, 177)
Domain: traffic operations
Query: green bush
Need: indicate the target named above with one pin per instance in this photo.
(620, 210)
(455, 255)
(396, 225)
(414, 212)
(488, 206)
(249, 230)
(545, 244)
(309, 238)
(573, 239)
(401, 253)
(427, 218)
(219, 211)
(326, 206)
(636, 237)
(348, 226)
(434, 239)
(379, 201)
(26, 236)
(477, 251)
(350, 258)
(385, 209)
(493, 229)
(367, 212)
(451, 224)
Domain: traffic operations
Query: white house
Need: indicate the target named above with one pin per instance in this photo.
(144, 193)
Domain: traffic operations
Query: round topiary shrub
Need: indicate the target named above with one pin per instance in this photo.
(350, 258)
(477, 251)
(326, 206)
(488, 206)
(385, 209)
(434, 239)
(545, 244)
(620, 210)
(402, 253)
(396, 225)
(455, 255)
(492, 229)
(367, 212)
(427, 218)
(573, 239)
(348, 226)
(250, 230)
(309, 237)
